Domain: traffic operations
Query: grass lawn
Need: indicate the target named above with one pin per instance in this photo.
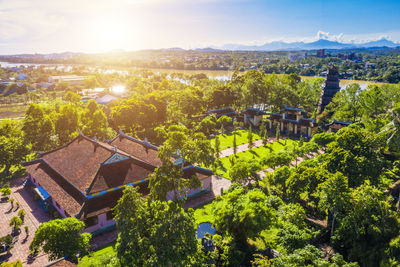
(253, 154)
(226, 140)
(12, 111)
(94, 258)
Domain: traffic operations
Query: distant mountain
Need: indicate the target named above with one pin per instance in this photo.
(319, 44)
(207, 49)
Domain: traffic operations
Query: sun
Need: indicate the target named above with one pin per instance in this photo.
(110, 33)
(118, 89)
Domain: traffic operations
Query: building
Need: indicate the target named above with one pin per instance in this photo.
(85, 178)
(293, 121)
(105, 99)
(226, 111)
(71, 79)
(253, 116)
(331, 87)
(335, 125)
(321, 53)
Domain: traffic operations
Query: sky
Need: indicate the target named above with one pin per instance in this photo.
(48, 26)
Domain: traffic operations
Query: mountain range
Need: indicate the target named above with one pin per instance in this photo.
(319, 44)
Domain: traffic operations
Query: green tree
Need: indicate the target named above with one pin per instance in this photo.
(16, 263)
(66, 124)
(181, 146)
(250, 138)
(15, 223)
(323, 139)
(368, 227)
(38, 128)
(72, 97)
(278, 131)
(234, 145)
(392, 130)
(245, 171)
(153, 233)
(334, 196)
(242, 215)
(61, 237)
(94, 121)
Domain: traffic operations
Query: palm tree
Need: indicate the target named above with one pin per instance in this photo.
(392, 130)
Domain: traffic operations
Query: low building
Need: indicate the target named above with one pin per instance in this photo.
(253, 116)
(293, 121)
(226, 111)
(85, 178)
(335, 125)
(71, 79)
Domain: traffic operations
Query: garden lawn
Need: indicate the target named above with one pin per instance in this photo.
(253, 154)
(226, 140)
(95, 258)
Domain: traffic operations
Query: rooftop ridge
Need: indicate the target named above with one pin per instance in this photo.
(136, 140)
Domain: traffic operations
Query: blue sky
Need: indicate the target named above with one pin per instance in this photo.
(102, 25)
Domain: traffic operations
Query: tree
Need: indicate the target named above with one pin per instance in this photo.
(38, 128)
(94, 121)
(279, 158)
(234, 145)
(181, 146)
(368, 227)
(72, 97)
(15, 223)
(6, 190)
(278, 131)
(250, 138)
(357, 154)
(242, 215)
(66, 125)
(392, 130)
(153, 233)
(309, 256)
(61, 237)
(348, 104)
(334, 196)
(245, 171)
(21, 214)
(16, 263)
(323, 139)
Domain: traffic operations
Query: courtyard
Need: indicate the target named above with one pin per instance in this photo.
(33, 218)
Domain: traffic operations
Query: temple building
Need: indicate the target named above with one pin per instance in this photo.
(253, 116)
(85, 178)
(293, 121)
(335, 125)
(330, 89)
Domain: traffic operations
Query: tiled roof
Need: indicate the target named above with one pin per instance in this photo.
(78, 161)
(60, 190)
(119, 173)
(254, 111)
(138, 149)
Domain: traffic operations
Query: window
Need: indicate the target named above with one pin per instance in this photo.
(91, 221)
(110, 215)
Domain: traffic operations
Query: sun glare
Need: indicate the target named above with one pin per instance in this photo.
(118, 89)
(110, 33)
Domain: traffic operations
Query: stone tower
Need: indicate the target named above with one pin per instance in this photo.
(331, 87)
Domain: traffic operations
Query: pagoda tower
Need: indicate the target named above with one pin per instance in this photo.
(331, 87)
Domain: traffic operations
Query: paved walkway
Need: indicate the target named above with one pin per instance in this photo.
(33, 218)
(218, 184)
(241, 148)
